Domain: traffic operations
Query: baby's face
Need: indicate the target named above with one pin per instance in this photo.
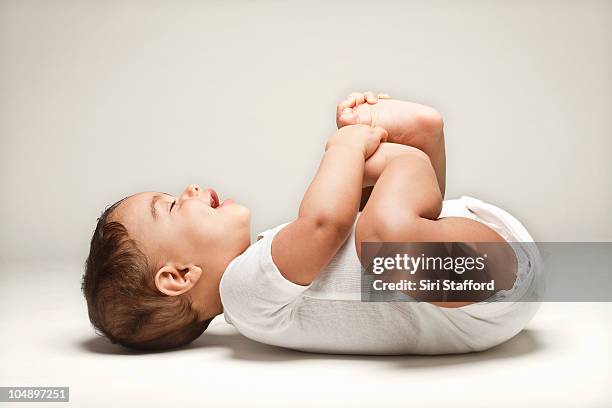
(191, 228)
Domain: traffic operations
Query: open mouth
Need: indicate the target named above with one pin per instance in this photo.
(214, 198)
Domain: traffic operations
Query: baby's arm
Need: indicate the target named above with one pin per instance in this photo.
(303, 248)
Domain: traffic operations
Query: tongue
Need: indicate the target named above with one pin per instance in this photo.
(215, 199)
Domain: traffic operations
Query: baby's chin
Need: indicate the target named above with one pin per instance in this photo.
(239, 211)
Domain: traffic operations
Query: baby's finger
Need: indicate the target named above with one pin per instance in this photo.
(349, 102)
(384, 96)
(371, 98)
(347, 116)
(340, 108)
(359, 97)
(381, 133)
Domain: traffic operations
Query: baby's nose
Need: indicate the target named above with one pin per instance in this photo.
(192, 190)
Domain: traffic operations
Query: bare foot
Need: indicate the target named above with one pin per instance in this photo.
(406, 122)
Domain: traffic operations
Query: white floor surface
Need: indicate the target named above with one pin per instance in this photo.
(561, 360)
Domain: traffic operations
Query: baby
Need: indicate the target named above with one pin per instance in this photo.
(160, 267)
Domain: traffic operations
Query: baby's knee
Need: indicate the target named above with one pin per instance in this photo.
(429, 119)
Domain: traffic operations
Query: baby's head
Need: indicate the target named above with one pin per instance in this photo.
(152, 276)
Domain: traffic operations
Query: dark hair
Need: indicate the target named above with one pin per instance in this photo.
(123, 302)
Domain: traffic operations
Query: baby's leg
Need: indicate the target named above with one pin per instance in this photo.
(375, 165)
(404, 207)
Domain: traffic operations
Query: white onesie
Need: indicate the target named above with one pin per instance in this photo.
(328, 315)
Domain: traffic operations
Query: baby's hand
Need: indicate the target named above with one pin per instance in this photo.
(363, 137)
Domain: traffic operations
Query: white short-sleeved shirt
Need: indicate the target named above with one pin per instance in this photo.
(328, 315)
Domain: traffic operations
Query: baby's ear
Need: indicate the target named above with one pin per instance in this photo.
(174, 279)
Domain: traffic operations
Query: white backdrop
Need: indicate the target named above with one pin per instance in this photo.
(102, 99)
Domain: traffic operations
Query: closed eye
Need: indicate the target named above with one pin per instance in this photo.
(172, 205)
